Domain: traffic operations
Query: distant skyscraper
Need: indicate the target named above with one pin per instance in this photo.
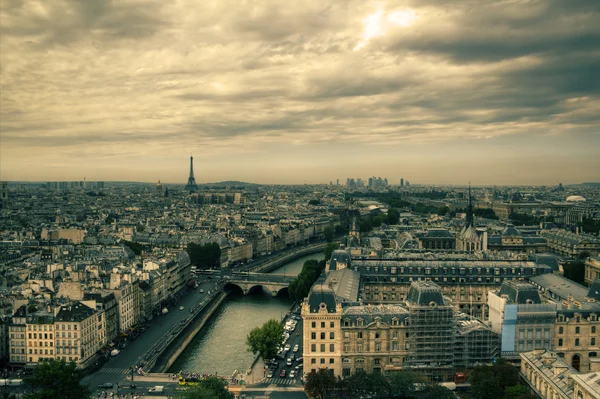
(402, 182)
(191, 184)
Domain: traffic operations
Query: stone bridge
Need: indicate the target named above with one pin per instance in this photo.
(250, 282)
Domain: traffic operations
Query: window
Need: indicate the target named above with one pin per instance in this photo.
(346, 348)
(395, 335)
(331, 360)
(593, 329)
(577, 330)
(322, 347)
(377, 347)
(359, 335)
(359, 322)
(322, 324)
(359, 347)
(560, 342)
(346, 323)
(592, 341)
(377, 335)
(322, 335)
(346, 334)
(394, 346)
(313, 324)
(322, 361)
(313, 347)
(561, 330)
(331, 324)
(313, 335)
(313, 361)
(331, 335)
(576, 341)
(331, 347)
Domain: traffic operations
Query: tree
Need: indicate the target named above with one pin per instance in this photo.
(484, 383)
(265, 340)
(575, 271)
(332, 246)
(518, 392)
(402, 384)
(393, 216)
(208, 388)
(358, 384)
(434, 391)
(328, 233)
(319, 383)
(57, 379)
(204, 256)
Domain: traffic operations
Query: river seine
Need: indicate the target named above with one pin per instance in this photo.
(221, 345)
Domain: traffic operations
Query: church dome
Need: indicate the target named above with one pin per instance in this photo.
(575, 198)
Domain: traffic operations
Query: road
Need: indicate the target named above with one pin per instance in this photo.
(295, 338)
(118, 368)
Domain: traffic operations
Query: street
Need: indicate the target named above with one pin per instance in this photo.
(118, 368)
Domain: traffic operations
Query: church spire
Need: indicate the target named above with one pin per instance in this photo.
(470, 209)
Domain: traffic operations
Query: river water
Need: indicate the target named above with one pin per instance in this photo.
(221, 345)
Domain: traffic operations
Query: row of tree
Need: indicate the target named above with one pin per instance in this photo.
(499, 381)
(300, 286)
(58, 379)
(204, 256)
(322, 384)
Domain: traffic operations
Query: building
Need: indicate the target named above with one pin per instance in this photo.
(17, 331)
(577, 246)
(547, 374)
(106, 303)
(425, 334)
(592, 269)
(79, 333)
(524, 322)
(440, 239)
(511, 239)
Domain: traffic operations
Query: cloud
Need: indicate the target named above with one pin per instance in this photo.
(255, 79)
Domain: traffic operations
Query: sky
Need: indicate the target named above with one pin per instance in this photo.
(293, 92)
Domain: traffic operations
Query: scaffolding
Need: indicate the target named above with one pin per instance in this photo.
(476, 343)
(431, 332)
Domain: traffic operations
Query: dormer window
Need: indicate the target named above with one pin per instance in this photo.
(359, 322)
(346, 322)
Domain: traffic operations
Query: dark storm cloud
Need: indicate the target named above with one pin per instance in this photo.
(226, 77)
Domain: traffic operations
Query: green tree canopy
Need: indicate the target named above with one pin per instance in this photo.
(300, 286)
(393, 216)
(328, 233)
(265, 340)
(209, 388)
(57, 379)
(484, 383)
(204, 256)
(319, 383)
(434, 391)
(402, 384)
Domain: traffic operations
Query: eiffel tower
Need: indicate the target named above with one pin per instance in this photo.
(191, 183)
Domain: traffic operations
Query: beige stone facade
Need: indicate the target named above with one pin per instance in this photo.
(592, 269)
(577, 339)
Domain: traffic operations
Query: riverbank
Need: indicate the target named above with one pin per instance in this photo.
(224, 351)
(170, 354)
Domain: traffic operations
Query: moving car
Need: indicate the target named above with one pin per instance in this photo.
(287, 347)
(282, 374)
(270, 374)
(181, 308)
(289, 361)
(201, 291)
(296, 347)
(114, 352)
(106, 385)
(157, 389)
(292, 374)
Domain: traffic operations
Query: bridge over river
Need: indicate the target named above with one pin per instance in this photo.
(273, 284)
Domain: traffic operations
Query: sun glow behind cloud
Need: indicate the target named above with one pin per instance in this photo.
(378, 23)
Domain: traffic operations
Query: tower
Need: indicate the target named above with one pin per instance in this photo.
(191, 183)
(469, 210)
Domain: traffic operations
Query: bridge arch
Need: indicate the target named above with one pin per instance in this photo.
(233, 287)
(257, 288)
(282, 291)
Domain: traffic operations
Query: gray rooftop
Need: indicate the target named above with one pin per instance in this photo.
(344, 284)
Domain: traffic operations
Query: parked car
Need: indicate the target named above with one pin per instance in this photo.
(181, 308)
(270, 374)
(292, 374)
(289, 361)
(296, 347)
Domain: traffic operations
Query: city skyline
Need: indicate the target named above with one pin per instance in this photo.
(277, 93)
